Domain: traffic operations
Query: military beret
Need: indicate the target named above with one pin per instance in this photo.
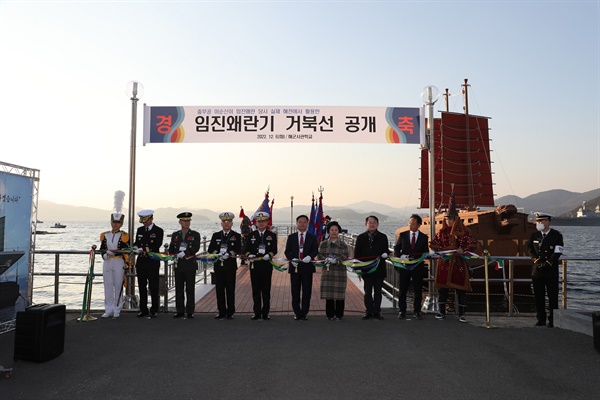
(185, 216)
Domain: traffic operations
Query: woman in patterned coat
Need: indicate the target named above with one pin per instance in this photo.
(334, 276)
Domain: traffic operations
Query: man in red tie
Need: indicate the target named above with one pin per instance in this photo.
(301, 248)
(411, 245)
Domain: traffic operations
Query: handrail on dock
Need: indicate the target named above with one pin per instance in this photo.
(167, 282)
(390, 285)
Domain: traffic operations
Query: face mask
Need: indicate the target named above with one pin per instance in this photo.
(539, 226)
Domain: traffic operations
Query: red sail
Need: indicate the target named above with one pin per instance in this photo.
(462, 162)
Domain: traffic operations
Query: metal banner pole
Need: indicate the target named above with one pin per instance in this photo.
(133, 89)
(487, 323)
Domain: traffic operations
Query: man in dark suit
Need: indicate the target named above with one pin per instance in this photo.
(545, 248)
(227, 244)
(372, 244)
(261, 248)
(185, 243)
(411, 245)
(148, 238)
(302, 248)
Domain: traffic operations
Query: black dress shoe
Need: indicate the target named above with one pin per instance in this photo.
(550, 325)
(540, 323)
(178, 315)
(220, 316)
(266, 318)
(142, 314)
(304, 318)
(402, 315)
(152, 315)
(367, 316)
(297, 318)
(378, 316)
(255, 317)
(418, 315)
(190, 316)
(230, 317)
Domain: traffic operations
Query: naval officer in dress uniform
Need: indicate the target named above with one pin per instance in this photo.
(545, 248)
(261, 246)
(185, 243)
(114, 266)
(148, 238)
(228, 244)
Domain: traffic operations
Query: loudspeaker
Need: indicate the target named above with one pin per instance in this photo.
(40, 332)
(596, 329)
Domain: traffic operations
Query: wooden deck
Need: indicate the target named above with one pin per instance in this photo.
(281, 298)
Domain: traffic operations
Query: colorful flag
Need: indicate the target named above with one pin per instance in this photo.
(319, 220)
(313, 214)
(264, 207)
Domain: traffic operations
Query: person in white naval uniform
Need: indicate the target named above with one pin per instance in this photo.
(114, 266)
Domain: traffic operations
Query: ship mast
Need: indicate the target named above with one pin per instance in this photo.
(468, 138)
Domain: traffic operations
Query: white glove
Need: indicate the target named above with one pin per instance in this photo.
(404, 257)
(295, 262)
(431, 253)
(137, 250)
(251, 256)
(223, 252)
(266, 257)
(384, 255)
(225, 256)
(181, 254)
(331, 260)
(105, 256)
(306, 259)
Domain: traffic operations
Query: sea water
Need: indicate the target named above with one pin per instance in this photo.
(579, 241)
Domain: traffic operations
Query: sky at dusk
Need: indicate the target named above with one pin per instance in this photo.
(533, 67)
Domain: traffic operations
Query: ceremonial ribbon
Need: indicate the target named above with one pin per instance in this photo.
(467, 255)
(362, 267)
(407, 264)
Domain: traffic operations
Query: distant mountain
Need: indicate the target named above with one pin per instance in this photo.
(556, 202)
(356, 212)
(50, 212)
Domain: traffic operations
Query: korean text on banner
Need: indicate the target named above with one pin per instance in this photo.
(282, 124)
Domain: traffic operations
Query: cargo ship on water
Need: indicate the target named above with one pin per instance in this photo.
(584, 217)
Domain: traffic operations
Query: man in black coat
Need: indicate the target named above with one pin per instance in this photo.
(301, 246)
(261, 247)
(372, 244)
(411, 245)
(545, 248)
(148, 238)
(228, 245)
(185, 243)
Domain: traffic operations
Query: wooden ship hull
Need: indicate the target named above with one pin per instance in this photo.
(502, 232)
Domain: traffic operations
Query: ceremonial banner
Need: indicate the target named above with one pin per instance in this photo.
(16, 193)
(283, 124)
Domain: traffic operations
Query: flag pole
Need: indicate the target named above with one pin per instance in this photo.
(134, 88)
(429, 96)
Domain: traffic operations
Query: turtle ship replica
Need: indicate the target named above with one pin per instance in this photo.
(461, 166)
